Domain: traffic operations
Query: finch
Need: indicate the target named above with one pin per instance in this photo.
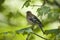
(32, 19)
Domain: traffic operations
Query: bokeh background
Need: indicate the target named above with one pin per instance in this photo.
(13, 23)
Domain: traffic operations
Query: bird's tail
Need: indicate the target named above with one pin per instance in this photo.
(41, 27)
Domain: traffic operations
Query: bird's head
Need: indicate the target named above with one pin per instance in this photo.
(28, 12)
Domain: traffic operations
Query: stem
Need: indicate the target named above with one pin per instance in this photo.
(39, 36)
(28, 36)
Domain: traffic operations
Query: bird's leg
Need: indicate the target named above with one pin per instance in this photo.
(32, 27)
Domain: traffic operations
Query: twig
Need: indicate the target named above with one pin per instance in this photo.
(39, 36)
(28, 36)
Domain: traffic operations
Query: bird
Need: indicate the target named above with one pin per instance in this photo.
(32, 19)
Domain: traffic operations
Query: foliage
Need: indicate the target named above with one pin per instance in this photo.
(14, 26)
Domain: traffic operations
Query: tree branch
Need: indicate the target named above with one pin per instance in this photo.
(39, 35)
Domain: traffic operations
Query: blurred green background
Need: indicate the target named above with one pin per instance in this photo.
(13, 23)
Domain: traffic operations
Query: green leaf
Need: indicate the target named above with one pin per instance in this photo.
(27, 3)
(43, 10)
(1, 1)
(24, 30)
(53, 31)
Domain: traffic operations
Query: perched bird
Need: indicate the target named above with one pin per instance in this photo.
(32, 19)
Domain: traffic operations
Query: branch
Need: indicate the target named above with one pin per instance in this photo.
(28, 36)
(39, 36)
